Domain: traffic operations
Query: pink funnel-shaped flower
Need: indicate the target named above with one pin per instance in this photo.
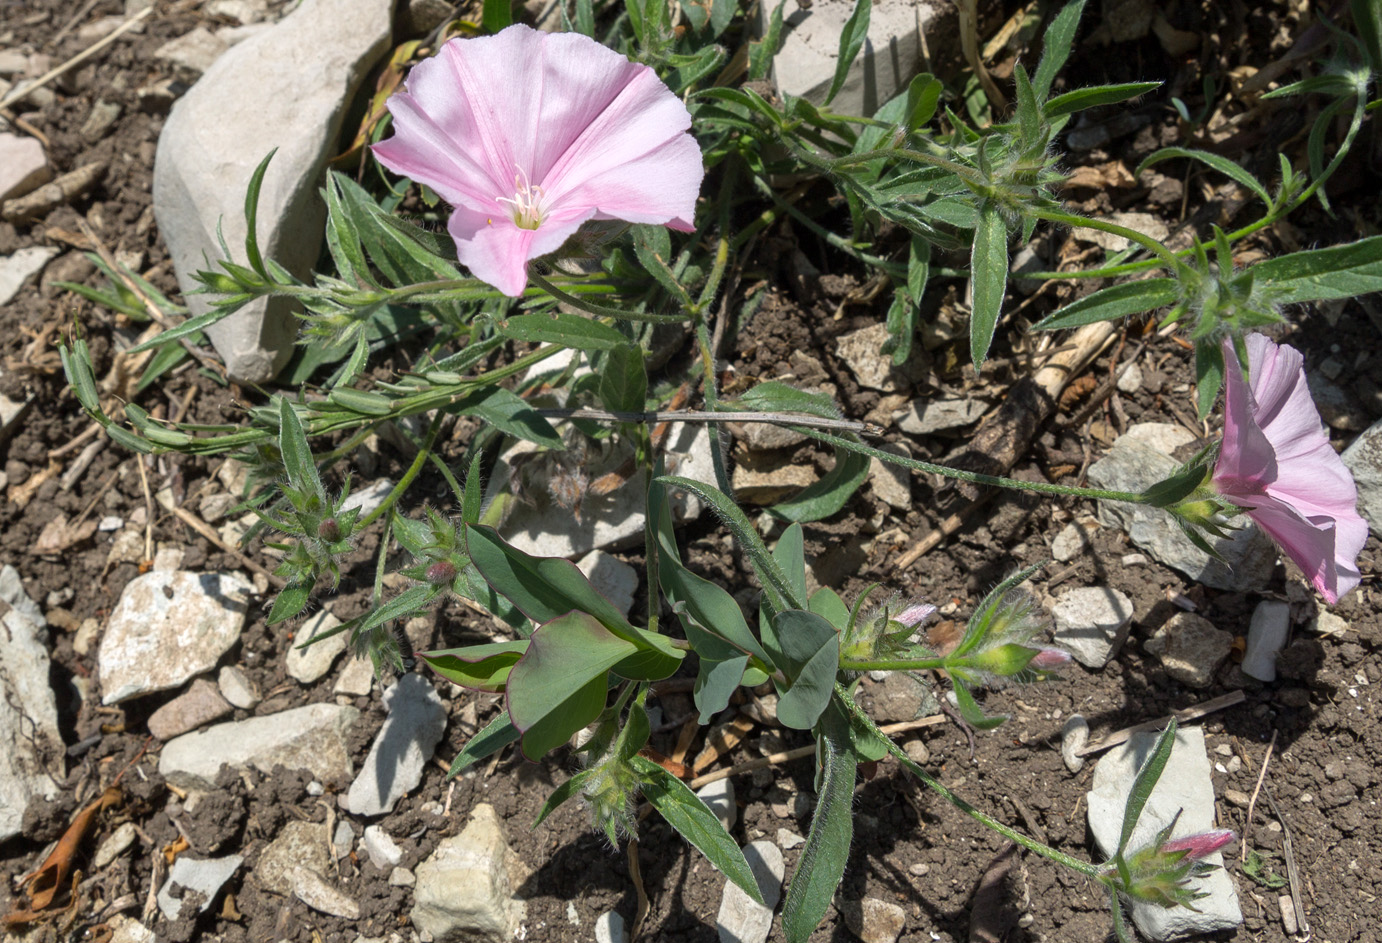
(1201, 844)
(1277, 465)
(528, 135)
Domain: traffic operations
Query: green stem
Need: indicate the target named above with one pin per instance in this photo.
(602, 310)
(424, 449)
(1031, 844)
(712, 404)
(1015, 484)
(920, 664)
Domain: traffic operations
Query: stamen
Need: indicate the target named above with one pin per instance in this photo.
(526, 205)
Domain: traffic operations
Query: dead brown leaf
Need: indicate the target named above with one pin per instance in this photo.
(22, 494)
(59, 534)
(44, 883)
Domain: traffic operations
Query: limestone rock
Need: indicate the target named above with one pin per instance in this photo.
(23, 167)
(610, 928)
(891, 55)
(465, 889)
(873, 920)
(615, 579)
(1190, 648)
(1074, 736)
(169, 626)
(314, 891)
(356, 678)
(381, 849)
(311, 663)
(114, 846)
(31, 747)
(194, 51)
(199, 704)
(719, 798)
(237, 688)
(1364, 460)
(544, 529)
(768, 477)
(205, 876)
(17, 269)
(1092, 623)
(862, 352)
(1185, 787)
(405, 743)
(742, 919)
(288, 88)
(1131, 465)
(892, 484)
(311, 738)
(298, 844)
(1271, 623)
(1145, 223)
(927, 417)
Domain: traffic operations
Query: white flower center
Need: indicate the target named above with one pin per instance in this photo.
(526, 204)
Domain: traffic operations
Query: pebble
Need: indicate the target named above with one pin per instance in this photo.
(741, 918)
(237, 688)
(1130, 380)
(1072, 541)
(200, 704)
(17, 270)
(862, 352)
(917, 751)
(356, 678)
(875, 921)
(926, 417)
(298, 844)
(343, 839)
(1190, 648)
(1267, 631)
(402, 877)
(311, 738)
(1074, 736)
(610, 928)
(402, 748)
(206, 876)
(169, 626)
(23, 168)
(313, 662)
(470, 881)
(114, 846)
(719, 797)
(788, 839)
(890, 483)
(100, 120)
(1092, 623)
(381, 849)
(313, 890)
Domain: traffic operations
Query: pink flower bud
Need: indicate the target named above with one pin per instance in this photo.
(1201, 844)
(329, 530)
(915, 614)
(1049, 659)
(441, 572)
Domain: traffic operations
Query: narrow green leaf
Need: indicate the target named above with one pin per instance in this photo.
(297, 455)
(76, 366)
(774, 396)
(693, 820)
(343, 235)
(496, 15)
(404, 604)
(508, 413)
(972, 712)
(1028, 110)
(291, 600)
(1323, 274)
(568, 330)
(1116, 301)
(1056, 46)
(567, 789)
(359, 356)
(823, 858)
(1220, 163)
(1209, 375)
(988, 268)
(251, 215)
(852, 37)
(1145, 782)
(828, 495)
(1083, 98)
(761, 53)
(185, 329)
(498, 733)
(474, 491)
(123, 437)
(790, 554)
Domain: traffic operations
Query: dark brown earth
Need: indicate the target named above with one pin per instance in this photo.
(910, 847)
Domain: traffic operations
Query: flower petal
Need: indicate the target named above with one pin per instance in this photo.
(1246, 458)
(497, 252)
(1326, 553)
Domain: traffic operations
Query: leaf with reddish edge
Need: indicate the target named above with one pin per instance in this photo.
(478, 667)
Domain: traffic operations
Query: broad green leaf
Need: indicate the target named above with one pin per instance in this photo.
(568, 330)
(508, 413)
(827, 604)
(709, 607)
(988, 268)
(1209, 375)
(478, 667)
(1220, 163)
(1056, 46)
(1145, 781)
(852, 37)
(693, 820)
(343, 235)
(1083, 98)
(1028, 110)
(624, 381)
(774, 396)
(1116, 301)
(559, 684)
(828, 495)
(809, 653)
(823, 858)
(497, 734)
(1323, 274)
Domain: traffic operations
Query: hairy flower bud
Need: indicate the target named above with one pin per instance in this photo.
(441, 573)
(328, 530)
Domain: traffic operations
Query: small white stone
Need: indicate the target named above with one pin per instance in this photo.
(310, 888)
(741, 918)
(402, 877)
(1074, 736)
(238, 689)
(719, 797)
(17, 269)
(23, 167)
(114, 846)
(1271, 623)
(313, 662)
(1092, 623)
(194, 51)
(788, 839)
(383, 852)
(356, 679)
(610, 928)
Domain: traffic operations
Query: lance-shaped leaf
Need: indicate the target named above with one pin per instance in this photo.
(694, 821)
(988, 264)
(1324, 274)
(568, 330)
(1116, 301)
(497, 734)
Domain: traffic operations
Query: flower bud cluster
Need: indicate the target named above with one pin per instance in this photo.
(1161, 871)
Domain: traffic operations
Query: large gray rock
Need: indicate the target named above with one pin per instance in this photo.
(1364, 460)
(405, 743)
(286, 88)
(1132, 465)
(1185, 787)
(31, 747)
(892, 54)
(169, 626)
(1092, 623)
(465, 889)
(742, 919)
(311, 738)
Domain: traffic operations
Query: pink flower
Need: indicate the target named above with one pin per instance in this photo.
(915, 614)
(1277, 465)
(1201, 844)
(1049, 659)
(529, 135)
